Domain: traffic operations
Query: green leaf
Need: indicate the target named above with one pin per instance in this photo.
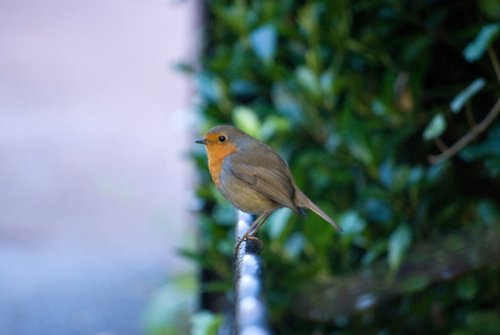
(294, 245)
(415, 283)
(361, 151)
(233, 16)
(488, 212)
(378, 107)
(246, 119)
(286, 102)
(263, 41)
(484, 322)
(274, 124)
(386, 172)
(435, 128)
(277, 223)
(485, 149)
(467, 288)
(328, 82)
(460, 99)
(209, 87)
(307, 79)
(191, 254)
(185, 67)
(378, 210)
(224, 213)
(168, 309)
(489, 150)
(243, 88)
(205, 323)
(476, 48)
(375, 251)
(399, 242)
(490, 8)
(352, 223)
(492, 164)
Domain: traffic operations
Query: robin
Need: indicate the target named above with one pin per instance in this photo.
(253, 177)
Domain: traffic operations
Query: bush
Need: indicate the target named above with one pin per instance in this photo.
(358, 97)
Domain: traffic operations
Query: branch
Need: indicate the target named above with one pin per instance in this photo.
(470, 117)
(465, 251)
(440, 144)
(467, 138)
(475, 129)
(494, 61)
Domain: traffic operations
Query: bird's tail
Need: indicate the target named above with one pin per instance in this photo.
(301, 200)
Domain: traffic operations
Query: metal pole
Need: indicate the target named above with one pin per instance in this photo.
(250, 314)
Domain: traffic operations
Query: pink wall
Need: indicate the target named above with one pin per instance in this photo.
(94, 127)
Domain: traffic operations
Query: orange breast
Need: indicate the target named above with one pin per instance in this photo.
(216, 155)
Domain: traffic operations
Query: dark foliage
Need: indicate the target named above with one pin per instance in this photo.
(357, 96)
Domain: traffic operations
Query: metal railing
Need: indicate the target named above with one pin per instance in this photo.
(250, 312)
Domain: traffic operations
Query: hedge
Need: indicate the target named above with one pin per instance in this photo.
(386, 112)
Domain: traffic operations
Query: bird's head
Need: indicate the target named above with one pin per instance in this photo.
(223, 140)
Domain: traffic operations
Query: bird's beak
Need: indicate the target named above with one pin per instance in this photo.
(201, 141)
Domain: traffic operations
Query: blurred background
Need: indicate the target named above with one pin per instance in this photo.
(94, 174)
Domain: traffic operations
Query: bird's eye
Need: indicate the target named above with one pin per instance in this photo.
(222, 138)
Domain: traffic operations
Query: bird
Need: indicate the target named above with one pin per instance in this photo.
(253, 177)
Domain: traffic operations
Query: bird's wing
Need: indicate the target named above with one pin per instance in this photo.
(265, 172)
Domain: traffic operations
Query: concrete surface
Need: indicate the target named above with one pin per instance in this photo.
(94, 179)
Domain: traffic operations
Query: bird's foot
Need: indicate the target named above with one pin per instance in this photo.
(246, 239)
